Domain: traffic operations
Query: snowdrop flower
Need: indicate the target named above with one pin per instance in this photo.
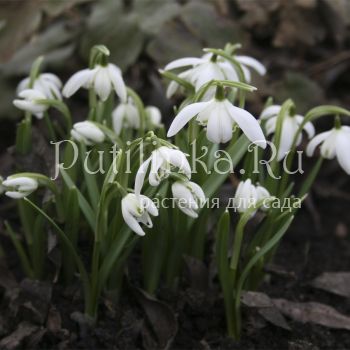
(47, 83)
(220, 116)
(19, 187)
(210, 67)
(103, 79)
(188, 196)
(137, 209)
(290, 126)
(153, 116)
(125, 115)
(162, 160)
(87, 133)
(247, 195)
(30, 102)
(335, 143)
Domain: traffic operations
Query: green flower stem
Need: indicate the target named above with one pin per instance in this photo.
(247, 269)
(50, 128)
(24, 135)
(178, 241)
(35, 70)
(26, 265)
(62, 108)
(141, 108)
(92, 105)
(83, 273)
(307, 183)
(91, 181)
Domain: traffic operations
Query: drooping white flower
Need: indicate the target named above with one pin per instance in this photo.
(219, 116)
(290, 126)
(103, 79)
(335, 143)
(30, 102)
(19, 187)
(125, 115)
(162, 160)
(136, 210)
(209, 67)
(153, 116)
(189, 197)
(87, 133)
(247, 195)
(47, 83)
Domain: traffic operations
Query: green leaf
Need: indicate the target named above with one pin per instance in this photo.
(83, 203)
(236, 151)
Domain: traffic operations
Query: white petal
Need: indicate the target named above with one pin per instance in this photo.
(328, 147)
(343, 150)
(76, 81)
(185, 115)
(270, 111)
(179, 160)
(219, 128)
(54, 79)
(247, 123)
(308, 127)
(183, 62)
(289, 128)
(247, 74)
(140, 175)
(118, 118)
(15, 195)
(132, 222)
(154, 115)
(188, 211)
(172, 88)
(149, 205)
(117, 82)
(23, 85)
(310, 149)
(253, 63)
(102, 83)
(30, 106)
(198, 191)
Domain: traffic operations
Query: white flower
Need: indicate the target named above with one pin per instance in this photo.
(220, 118)
(289, 128)
(206, 68)
(103, 79)
(335, 143)
(88, 133)
(125, 115)
(188, 196)
(247, 196)
(136, 209)
(19, 187)
(30, 102)
(154, 116)
(47, 83)
(162, 160)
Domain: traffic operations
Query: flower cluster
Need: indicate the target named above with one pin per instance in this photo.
(145, 166)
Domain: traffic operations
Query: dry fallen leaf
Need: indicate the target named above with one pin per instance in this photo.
(312, 312)
(162, 321)
(334, 282)
(265, 307)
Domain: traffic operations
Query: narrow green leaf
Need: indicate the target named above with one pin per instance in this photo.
(83, 203)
